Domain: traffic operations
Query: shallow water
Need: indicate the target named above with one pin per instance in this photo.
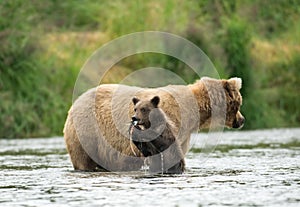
(247, 168)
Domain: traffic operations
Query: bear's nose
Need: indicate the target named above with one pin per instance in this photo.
(242, 121)
(134, 118)
(237, 124)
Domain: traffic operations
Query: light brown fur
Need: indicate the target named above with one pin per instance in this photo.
(97, 120)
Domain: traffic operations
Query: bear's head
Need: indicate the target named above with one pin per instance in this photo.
(223, 98)
(234, 118)
(142, 110)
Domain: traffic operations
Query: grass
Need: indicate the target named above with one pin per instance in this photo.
(43, 45)
(35, 152)
(295, 144)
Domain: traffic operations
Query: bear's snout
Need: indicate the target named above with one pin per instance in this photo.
(238, 122)
(133, 118)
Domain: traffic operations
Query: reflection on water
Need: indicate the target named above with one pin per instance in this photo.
(250, 168)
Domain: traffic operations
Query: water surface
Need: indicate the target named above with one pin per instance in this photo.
(247, 168)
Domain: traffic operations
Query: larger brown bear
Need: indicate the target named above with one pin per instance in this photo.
(96, 129)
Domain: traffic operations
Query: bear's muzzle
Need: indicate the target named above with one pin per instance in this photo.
(238, 122)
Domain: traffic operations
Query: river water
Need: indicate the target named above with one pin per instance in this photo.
(247, 168)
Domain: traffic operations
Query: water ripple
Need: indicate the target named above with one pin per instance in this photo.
(251, 168)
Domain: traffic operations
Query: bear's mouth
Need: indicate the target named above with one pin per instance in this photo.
(135, 123)
(138, 124)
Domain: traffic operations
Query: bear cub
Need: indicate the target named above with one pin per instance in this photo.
(153, 134)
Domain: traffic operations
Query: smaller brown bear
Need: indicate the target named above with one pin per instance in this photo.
(153, 134)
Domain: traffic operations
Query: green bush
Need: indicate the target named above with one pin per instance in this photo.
(236, 42)
(285, 78)
(36, 86)
(30, 106)
(275, 17)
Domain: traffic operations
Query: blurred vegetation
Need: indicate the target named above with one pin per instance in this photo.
(43, 45)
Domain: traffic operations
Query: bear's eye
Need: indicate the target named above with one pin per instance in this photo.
(134, 110)
(143, 110)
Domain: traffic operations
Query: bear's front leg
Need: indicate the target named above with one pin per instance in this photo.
(135, 133)
(146, 135)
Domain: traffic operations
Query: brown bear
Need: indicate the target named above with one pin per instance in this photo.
(153, 134)
(96, 133)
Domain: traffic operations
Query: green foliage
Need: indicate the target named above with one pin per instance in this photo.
(43, 45)
(236, 42)
(277, 16)
(29, 105)
(287, 84)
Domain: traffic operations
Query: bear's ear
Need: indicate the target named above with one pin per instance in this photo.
(235, 82)
(135, 100)
(155, 101)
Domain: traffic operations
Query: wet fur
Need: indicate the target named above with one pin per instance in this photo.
(154, 140)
